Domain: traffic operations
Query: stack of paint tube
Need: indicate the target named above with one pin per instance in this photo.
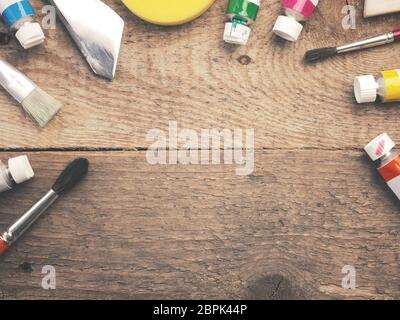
(242, 13)
(19, 16)
(94, 26)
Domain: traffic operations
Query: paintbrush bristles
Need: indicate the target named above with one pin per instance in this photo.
(40, 106)
(318, 54)
(71, 175)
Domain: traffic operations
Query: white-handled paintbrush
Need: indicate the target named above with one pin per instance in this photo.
(39, 105)
(74, 173)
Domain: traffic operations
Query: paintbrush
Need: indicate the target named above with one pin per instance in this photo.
(72, 174)
(322, 53)
(39, 105)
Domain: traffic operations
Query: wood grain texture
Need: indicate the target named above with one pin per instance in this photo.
(137, 231)
(187, 74)
(313, 205)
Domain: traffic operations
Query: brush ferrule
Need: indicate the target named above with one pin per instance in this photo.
(16, 83)
(6, 237)
(367, 43)
(23, 223)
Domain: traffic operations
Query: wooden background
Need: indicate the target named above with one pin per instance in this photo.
(131, 230)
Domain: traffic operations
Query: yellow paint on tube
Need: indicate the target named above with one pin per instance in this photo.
(392, 83)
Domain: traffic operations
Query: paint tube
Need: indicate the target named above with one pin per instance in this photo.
(241, 13)
(387, 87)
(19, 17)
(289, 26)
(386, 161)
(16, 171)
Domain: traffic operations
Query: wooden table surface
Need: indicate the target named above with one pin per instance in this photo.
(313, 205)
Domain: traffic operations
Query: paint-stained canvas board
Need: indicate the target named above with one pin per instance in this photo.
(378, 7)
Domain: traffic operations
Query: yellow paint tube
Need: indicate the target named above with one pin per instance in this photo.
(387, 87)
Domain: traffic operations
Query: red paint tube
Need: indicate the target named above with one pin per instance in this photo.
(387, 162)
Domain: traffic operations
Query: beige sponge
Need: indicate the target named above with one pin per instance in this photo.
(378, 7)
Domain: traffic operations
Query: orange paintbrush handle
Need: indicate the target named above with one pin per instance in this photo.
(3, 247)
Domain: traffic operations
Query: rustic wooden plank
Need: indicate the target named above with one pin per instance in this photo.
(187, 74)
(132, 230)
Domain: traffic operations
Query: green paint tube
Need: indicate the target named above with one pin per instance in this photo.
(241, 13)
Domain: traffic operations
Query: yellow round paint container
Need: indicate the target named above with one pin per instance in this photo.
(168, 12)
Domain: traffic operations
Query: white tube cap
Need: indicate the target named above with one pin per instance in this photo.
(30, 35)
(365, 89)
(20, 169)
(287, 28)
(378, 147)
(236, 33)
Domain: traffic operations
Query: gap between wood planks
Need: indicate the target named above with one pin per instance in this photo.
(142, 149)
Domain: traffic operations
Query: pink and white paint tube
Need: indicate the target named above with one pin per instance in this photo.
(386, 160)
(289, 26)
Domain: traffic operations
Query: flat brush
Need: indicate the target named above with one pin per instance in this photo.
(322, 53)
(39, 105)
(72, 174)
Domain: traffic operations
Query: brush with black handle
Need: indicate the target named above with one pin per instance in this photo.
(322, 53)
(73, 174)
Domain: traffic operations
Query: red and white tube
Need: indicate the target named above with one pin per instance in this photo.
(388, 163)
